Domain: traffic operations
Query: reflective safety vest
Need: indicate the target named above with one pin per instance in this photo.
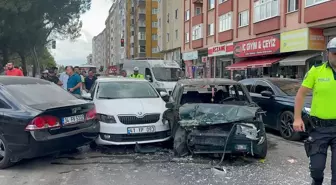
(137, 76)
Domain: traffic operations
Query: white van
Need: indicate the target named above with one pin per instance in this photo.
(161, 73)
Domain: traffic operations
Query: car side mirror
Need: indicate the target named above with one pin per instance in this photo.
(164, 96)
(87, 96)
(267, 93)
(170, 105)
(149, 78)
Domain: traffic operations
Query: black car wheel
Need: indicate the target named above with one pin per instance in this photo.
(286, 120)
(180, 142)
(4, 154)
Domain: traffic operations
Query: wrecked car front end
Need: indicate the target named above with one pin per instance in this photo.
(213, 128)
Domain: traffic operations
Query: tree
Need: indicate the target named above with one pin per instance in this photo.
(27, 26)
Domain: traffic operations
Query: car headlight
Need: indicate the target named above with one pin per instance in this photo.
(306, 110)
(106, 118)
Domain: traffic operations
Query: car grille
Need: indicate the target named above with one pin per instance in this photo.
(135, 137)
(134, 120)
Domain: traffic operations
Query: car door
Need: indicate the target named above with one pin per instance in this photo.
(266, 103)
(171, 114)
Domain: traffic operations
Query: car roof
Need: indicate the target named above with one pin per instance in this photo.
(208, 81)
(274, 79)
(120, 79)
(21, 80)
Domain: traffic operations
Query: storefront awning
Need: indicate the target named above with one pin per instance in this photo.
(298, 59)
(253, 64)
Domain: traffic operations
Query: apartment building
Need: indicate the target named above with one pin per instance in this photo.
(89, 59)
(99, 54)
(170, 32)
(141, 24)
(255, 37)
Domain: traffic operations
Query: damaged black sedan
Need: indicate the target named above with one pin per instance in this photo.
(215, 116)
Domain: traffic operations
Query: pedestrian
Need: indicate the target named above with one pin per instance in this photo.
(45, 75)
(53, 78)
(136, 74)
(74, 83)
(11, 71)
(321, 79)
(64, 79)
(89, 81)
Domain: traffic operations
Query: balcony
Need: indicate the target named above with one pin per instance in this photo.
(225, 7)
(197, 1)
(268, 25)
(320, 12)
(197, 19)
(197, 43)
(225, 36)
(142, 24)
(142, 3)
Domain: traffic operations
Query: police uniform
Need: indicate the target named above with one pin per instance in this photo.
(137, 76)
(322, 133)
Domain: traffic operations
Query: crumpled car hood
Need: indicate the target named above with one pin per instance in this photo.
(202, 114)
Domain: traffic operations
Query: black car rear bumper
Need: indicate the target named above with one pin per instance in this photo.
(67, 141)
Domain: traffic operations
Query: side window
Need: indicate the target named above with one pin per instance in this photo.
(4, 105)
(148, 72)
(248, 84)
(262, 86)
(92, 90)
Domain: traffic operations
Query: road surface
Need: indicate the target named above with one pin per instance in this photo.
(286, 164)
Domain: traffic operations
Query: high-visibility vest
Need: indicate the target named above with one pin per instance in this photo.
(137, 76)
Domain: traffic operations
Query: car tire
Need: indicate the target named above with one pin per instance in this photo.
(93, 145)
(285, 124)
(5, 161)
(180, 142)
(260, 151)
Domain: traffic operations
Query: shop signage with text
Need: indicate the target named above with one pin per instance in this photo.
(257, 47)
(225, 49)
(302, 39)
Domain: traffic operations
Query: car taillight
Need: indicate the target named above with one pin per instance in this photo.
(91, 114)
(43, 122)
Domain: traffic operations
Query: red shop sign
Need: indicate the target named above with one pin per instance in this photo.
(257, 47)
(225, 49)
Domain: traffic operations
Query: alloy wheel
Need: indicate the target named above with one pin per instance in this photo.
(2, 150)
(286, 125)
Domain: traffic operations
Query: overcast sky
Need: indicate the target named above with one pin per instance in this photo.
(75, 53)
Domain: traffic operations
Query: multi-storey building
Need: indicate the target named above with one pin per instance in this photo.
(141, 28)
(255, 37)
(99, 54)
(89, 59)
(170, 20)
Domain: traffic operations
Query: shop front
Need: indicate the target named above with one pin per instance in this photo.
(188, 59)
(305, 48)
(256, 57)
(197, 64)
(221, 56)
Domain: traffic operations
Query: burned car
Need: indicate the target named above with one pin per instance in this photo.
(215, 116)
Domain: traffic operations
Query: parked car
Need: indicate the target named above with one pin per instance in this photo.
(276, 96)
(210, 116)
(39, 118)
(129, 110)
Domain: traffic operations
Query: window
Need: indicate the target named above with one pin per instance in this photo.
(155, 50)
(154, 24)
(176, 34)
(4, 105)
(167, 37)
(197, 32)
(210, 29)
(154, 36)
(142, 36)
(265, 9)
(262, 86)
(225, 22)
(198, 11)
(187, 37)
(292, 5)
(314, 2)
(154, 10)
(221, 1)
(248, 84)
(187, 15)
(176, 13)
(211, 4)
(142, 49)
(167, 18)
(243, 18)
(132, 33)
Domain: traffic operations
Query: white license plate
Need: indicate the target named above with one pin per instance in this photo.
(73, 119)
(139, 130)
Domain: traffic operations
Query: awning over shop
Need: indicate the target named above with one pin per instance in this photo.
(298, 59)
(253, 64)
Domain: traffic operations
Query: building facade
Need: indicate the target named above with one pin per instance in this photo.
(89, 59)
(99, 51)
(255, 37)
(170, 32)
(141, 28)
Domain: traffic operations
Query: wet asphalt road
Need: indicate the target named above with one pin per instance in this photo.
(286, 164)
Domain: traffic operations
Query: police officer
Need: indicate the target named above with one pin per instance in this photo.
(321, 79)
(136, 74)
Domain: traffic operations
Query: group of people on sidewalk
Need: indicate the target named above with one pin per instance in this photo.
(11, 70)
(72, 80)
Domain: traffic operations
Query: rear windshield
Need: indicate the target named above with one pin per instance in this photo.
(33, 94)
